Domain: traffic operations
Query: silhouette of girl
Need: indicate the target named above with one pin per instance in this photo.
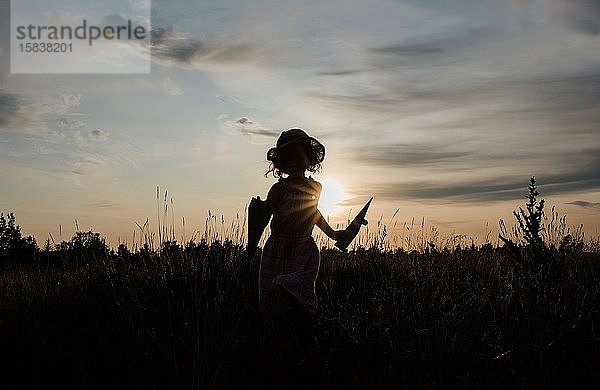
(290, 259)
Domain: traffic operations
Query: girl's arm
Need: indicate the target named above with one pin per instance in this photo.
(274, 195)
(326, 228)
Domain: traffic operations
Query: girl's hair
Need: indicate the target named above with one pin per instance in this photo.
(277, 166)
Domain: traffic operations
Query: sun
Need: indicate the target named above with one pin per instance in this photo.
(332, 194)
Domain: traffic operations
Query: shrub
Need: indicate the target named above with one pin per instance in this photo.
(530, 228)
(530, 222)
(84, 246)
(14, 247)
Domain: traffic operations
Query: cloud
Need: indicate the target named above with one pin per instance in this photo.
(411, 49)
(70, 101)
(228, 98)
(57, 17)
(341, 72)
(353, 201)
(99, 135)
(435, 48)
(40, 146)
(256, 132)
(407, 154)
(85, 168)
(122, 19)
(171, 48)
(432, 47)
(581, 177)
(496, 126)
(539, 93)
(31, 115)
(93, 136)
(574, 93)
(67, 123)
(20, 116)
(585, 204)
(171, 87)
(481, 191)
(580, 15)
(104, 204)
(9, 105)
(87, 164)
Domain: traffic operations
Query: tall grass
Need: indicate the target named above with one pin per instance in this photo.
(189, 318)
(407, 310)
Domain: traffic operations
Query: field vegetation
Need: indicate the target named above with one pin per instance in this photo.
(408, 312)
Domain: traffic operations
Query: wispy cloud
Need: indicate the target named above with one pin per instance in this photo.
(490, 190)
(85, 168)
(86, 163)
(256, 132)
(581, 15)
(551, 94)
(434, 49)
(30, 115)
(172, 88)
(9, 105)
(340, 72)
(99, 135)
(531, 123)
(88, 138)
(173, 48)
(104, 204)
(404, 155)
(585, 204)
(68, 123)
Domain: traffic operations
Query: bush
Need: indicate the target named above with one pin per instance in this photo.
(530, 229)
(13, 247)
(87, 245)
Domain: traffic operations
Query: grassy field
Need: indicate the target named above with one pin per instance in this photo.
(81, 316)
(440, 313)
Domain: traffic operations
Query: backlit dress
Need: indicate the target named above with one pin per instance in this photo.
(290, 257)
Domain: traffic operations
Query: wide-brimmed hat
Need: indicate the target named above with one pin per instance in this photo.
(297, 136)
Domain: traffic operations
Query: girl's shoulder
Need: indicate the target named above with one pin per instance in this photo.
(307, 180)
(314, 183)
(275, 192)
(307, 185)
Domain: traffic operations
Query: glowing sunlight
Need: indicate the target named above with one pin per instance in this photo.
(331, 194)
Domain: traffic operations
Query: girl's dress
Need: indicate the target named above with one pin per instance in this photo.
(290, 257)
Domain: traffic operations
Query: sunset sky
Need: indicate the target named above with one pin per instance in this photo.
(441, 109)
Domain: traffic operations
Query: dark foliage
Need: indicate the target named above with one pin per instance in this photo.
(81, 316)
(188, 318)
(14, 247)
(536, 260)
